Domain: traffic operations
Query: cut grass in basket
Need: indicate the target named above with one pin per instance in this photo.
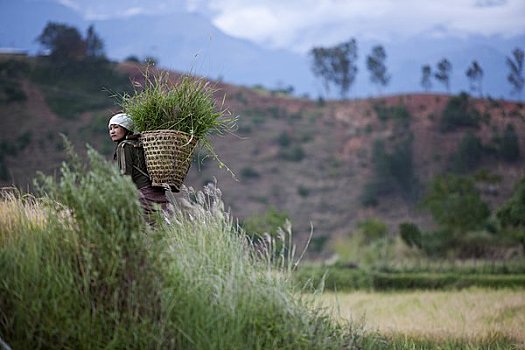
(187, 105)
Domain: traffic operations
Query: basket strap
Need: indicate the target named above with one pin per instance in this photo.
(122, 158)
(142, 172)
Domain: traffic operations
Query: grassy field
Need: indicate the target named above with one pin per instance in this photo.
(81, 269)
(471, 316)
(75, 275)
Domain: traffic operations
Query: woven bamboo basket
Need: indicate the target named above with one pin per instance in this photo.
(168, 156)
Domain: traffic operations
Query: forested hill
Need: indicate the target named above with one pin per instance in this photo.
(325, 164)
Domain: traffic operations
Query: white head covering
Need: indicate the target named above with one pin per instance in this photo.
(123, 120)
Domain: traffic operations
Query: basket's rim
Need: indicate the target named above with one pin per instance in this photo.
(168, 131)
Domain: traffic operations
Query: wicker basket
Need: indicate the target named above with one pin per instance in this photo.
(168, 156)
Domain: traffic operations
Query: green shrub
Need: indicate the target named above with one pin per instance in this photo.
(86, 278)
(400, 281)
(339, 279)
(69, 104)
(249, 173)
(13, 68)
(244, 129)
(303, 191)
(394, 172)
(318, 243)
(459, 113)
(455, 203)
(372, 191)
(438, 243)
(369, 246)
(92, 275)
(11, 73)
(511, 215)
(512, 212)
(292, 154)
(373, 229)
(397, 113)
(410, 234)
(284, 139)
(11, 91)
(223, 289)
(256, 115)
(510, 147)
(469, 154)
(269, 222)
(346, 279)
(75, 87)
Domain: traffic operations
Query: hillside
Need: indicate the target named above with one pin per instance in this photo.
(318, 161)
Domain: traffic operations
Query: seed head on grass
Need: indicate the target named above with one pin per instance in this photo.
(18, 212)
(99, 278)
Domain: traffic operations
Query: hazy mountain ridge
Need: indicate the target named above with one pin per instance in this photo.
(188, 42)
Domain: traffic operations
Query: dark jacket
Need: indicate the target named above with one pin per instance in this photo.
(131, 161)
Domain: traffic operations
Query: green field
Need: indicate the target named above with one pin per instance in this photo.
(75, 275)
(469, 316)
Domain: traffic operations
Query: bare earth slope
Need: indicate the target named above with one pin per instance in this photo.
(310, 159)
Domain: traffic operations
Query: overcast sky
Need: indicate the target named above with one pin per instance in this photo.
(300, 24)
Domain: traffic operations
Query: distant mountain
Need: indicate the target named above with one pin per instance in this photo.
(21, 21)
(188, 42)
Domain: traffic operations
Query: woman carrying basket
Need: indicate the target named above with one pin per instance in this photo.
(129, 155)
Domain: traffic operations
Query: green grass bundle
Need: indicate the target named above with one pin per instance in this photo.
(187, 105)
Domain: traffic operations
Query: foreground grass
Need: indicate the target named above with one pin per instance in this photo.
(80, 269)
(470, 318)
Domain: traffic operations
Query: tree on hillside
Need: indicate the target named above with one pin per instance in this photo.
(511, 215)
(375, 63)
(459, 112)
(456, 204)
(394, 170)
(510, 145)
(63, 42)
(444, 68)
(475, 75)
(426, 74)
(468, 155)
(321, 66)
(94, 45)
(336, 65)
(515, 76)
(344, 65)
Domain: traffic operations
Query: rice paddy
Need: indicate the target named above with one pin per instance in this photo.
(471, 315)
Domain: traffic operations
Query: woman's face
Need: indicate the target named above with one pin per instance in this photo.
(117, 132)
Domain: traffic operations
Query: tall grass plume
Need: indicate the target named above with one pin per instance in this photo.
(93, 275)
